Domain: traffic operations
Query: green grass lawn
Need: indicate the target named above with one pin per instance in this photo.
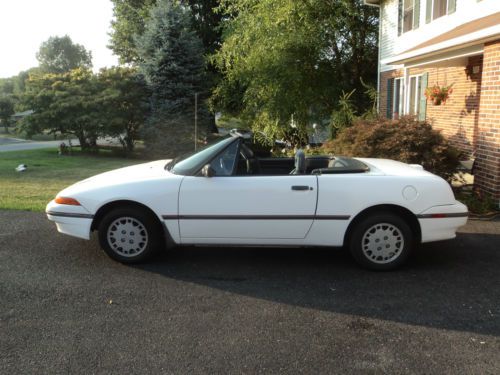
(47, 174)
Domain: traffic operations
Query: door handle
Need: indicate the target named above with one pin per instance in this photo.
(301, 187)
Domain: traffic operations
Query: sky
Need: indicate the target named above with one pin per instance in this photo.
(25, 24)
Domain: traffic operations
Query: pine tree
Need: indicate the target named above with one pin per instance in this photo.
(172, 61)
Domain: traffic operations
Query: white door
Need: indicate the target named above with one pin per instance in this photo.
(246, 207)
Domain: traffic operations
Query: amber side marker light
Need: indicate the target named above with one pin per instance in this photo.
(69, 201)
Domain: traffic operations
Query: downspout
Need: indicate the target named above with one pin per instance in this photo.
(406, 98)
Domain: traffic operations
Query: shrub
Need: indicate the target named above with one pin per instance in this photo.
(406, 140)
(478, 203)
(344, 116)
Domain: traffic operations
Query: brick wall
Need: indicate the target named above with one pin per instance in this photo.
(470, 119)
(487, 177)
(458, 118)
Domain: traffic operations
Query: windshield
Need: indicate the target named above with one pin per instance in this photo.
(190, 163)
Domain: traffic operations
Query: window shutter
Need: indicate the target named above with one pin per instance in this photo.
(390, 86)
(416, 14)
(422, 105)
(400, 17)
(452, 6)
(428, 11)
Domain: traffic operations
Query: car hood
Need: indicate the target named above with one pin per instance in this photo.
(134, 173)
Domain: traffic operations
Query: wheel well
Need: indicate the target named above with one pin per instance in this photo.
(402, 212)
(103, 211)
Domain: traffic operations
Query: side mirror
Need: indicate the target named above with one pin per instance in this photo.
(207, 171)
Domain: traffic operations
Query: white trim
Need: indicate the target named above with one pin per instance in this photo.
(471, 51)
(404, 99)
(378, 57)
(388, 68)
(417, 94)
(484, 35)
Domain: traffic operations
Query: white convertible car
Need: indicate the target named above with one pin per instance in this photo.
(225, 194)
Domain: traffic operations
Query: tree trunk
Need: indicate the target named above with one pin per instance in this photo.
(83, 142)
(130, 144)
(92, 142)
(212, 126)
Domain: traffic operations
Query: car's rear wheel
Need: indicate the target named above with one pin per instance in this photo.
(129, 235)
(381, 241)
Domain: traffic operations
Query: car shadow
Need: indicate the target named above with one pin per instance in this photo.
(451, 285)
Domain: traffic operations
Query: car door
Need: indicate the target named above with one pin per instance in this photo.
(245, 207)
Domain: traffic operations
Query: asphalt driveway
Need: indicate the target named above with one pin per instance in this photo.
(15, 144)
(66, 308)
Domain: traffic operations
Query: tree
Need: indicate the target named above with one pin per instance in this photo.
(124, 104)
(6, 111)
(284, 58)
(206, 21)
(14, 87)
(131, 16)
(113, 103)
(6, 86)
(171, 59)
(129, 21)
(20, 80)
(66, 103)
(60, 55)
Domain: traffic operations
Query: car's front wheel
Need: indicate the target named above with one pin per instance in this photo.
(129, 235)
(381, 241)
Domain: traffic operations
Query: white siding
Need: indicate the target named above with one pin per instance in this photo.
(391, 44)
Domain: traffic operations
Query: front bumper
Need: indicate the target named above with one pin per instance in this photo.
(441, 222)
(75, 221)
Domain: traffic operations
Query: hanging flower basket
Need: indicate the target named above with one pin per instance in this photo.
(438, 94)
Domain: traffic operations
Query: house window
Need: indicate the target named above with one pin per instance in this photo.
(407, 98)
(397, 100)
(415, 89)
(439, 8)
(409, 14)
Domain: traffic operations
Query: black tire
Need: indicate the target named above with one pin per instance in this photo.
(381, 241)
(130, 235)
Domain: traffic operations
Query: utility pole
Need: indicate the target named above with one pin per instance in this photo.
(195, 121)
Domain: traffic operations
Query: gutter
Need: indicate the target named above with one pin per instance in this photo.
(478, 37)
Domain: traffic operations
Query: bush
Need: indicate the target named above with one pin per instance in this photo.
(478, 203)
(406, 140)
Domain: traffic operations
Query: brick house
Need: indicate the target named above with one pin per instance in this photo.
(445, 42)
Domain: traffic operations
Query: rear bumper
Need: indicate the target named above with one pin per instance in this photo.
(441, 222)
(71, 220)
